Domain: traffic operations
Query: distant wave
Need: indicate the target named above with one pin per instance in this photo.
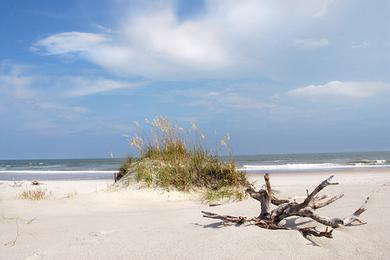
(370, 162)
(34, 167)
(56, 172)
(315, 166)
(77, 171)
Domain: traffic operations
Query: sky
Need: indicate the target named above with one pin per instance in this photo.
(278, 76)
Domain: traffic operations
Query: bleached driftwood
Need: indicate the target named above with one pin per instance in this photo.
(270, 218)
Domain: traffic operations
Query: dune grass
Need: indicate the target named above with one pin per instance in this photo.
(171, 157)
(34, 194)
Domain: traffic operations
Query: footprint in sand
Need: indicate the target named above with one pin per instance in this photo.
(95, 237)
(34, 256)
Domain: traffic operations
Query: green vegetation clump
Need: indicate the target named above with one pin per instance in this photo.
(171, 157)
(125, 168)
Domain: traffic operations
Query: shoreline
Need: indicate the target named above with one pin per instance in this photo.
(89, 175)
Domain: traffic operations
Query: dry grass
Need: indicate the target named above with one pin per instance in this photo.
(70, 195)
(34, 194)
(172, 157)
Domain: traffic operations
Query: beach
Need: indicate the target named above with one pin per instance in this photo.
(202, 129)
(88, 219)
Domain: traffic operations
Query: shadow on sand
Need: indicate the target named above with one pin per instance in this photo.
(289, 223)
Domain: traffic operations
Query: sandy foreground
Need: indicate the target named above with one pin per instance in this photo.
(84, 220)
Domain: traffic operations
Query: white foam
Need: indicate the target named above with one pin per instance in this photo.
(56, 172)
(306, 166)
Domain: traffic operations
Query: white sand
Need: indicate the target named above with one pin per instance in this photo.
(80, 220)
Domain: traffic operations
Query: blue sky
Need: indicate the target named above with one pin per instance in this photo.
(279, 76)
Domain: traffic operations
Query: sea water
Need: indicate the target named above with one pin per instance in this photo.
(86, 169)
(313, 161)
(59, 169)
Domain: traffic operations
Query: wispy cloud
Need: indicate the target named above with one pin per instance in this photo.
(361, 45)
(14, 83)
(86, 86)
(311, 44)
(45, 103)
(69, 42)
(339, 89)
(19, 83)
(295, 103)
(227, 98)
(325, 6)
(64, 111)
(228, 38)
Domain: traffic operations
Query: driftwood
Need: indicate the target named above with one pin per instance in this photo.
(16, 184)
(35, 183)
(270, 218)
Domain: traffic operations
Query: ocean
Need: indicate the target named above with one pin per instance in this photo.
(88, 169)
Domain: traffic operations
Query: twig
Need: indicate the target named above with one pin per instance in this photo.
(18, 233)
(13, 242)
(16, 184)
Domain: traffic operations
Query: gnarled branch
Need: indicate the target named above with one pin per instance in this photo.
(270, 219)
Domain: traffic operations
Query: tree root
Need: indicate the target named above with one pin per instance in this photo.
(270, 219)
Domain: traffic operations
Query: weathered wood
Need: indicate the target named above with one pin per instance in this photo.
(35, 183)
(270, 219)
(327, 221)
(307, 207)
(355, 216)
(274, 200)
(320, 203)
(266, 224)
(320, 187)
(267, 184)
(312, 231)
(225, 218)
(264, 199)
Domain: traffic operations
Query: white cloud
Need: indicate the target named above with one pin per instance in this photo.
(227, 38)
(66, 42)
(84, 87)
(243, 97)
(60, 110)
(42, 102)
(338, 89)
(361, 45)
(345, 97)
(24, 99)
(14, 83)
(221, 101)
(18, 81)
(325, 6)
(311, 44)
